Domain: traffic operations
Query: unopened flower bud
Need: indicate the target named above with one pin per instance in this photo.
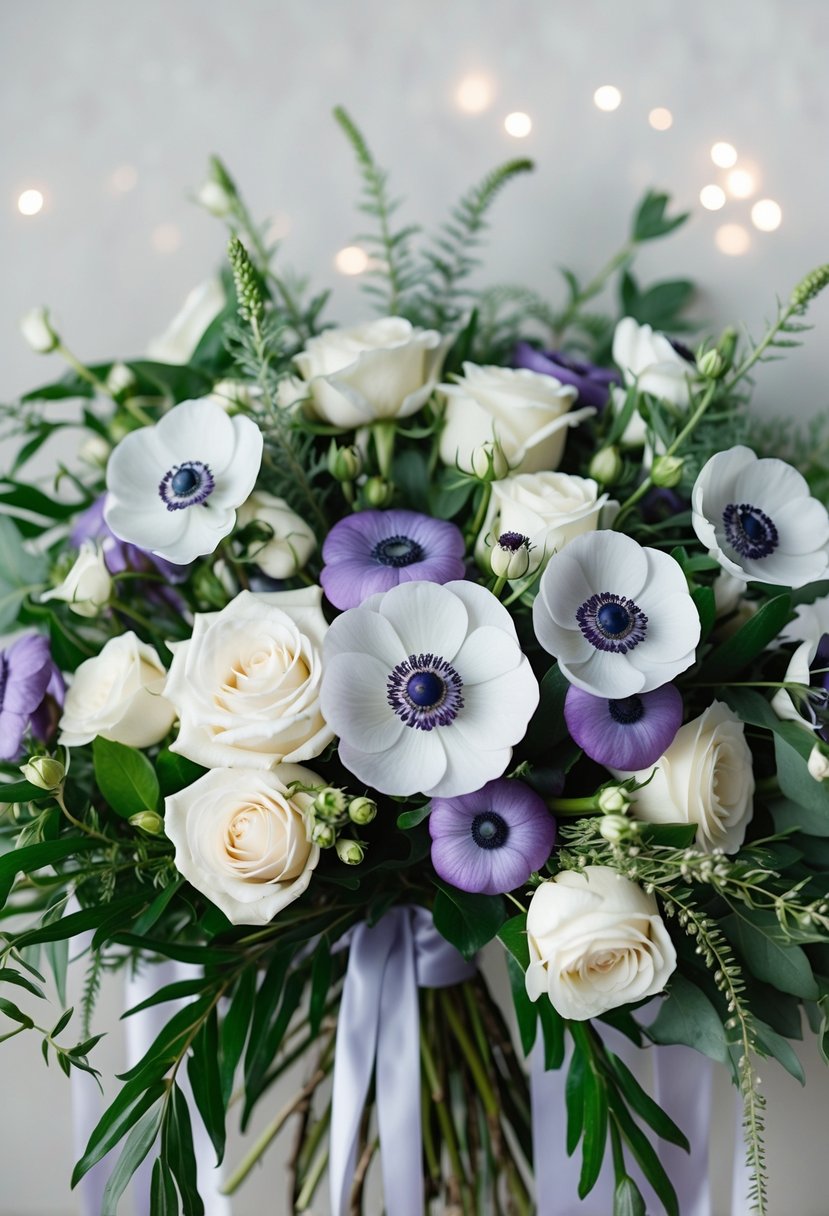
(667, 471)
(362, 810)
(95, 451)
(710, 364)
(510, 557)
(810, 286)
(613, 800)
(614, 828)
(324, 835)
(727, 347)
(350, 851)
(344, 464)
(606, 466)
(120, 378)
(215, 199)
(378, 492)
(329, 805)
(148, 821)
(38, 332)
(44, 772)
(87, 586)
(818, 764)
(488, 462)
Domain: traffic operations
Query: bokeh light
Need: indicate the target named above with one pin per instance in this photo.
(724, 155)
(712, 197)
(732, 239)
(607, 97)
(474, 93)
(661, 119)
(351, 260)
(30, 202)
(740, 183)
(766, 215)
(518, 124)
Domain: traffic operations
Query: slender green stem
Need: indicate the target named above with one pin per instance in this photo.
(596, 284)
(384, 434)
(757, 353)
(498, 585)
(480, 514)
(616, 1147)
(573, 806)
(476, 1067)
(312, 1180)
(439, 1099)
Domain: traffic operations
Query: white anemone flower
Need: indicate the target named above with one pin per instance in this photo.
(808, 667)
(173, 488)
(618, 617)
(427, 688)
(758, 519)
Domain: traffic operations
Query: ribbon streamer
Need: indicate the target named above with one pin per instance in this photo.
(379, 1024)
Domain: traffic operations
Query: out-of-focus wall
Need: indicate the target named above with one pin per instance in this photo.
(110, 110)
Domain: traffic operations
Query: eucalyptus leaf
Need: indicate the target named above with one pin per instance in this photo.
(687, 1016)
(125, 777)
(468, 921)
(138, 1144)
(783, 966)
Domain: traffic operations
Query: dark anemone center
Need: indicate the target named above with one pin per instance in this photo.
(613, 619)
(426, 689)
(185, 480)
(489, 830)
(749, 531)
(626, 710)
(397, 551)
(512, 541)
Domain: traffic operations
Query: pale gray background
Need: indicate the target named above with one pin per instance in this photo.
(87, 88)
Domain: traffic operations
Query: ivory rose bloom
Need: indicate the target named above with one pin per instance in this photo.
(648, 359)
(705, 777)
(291, 542)
(88, 585)
(244, 840)
(527, 413)
(118, 694)
(548, 508)
(246, 684)
(596, 942)
(383, 369)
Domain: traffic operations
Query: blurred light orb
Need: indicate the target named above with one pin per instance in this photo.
(724, 155)
(165, 238)
(351, 260)
(766, 215)
(712, 197)
(740, 183)
(123, 179)
(661, 119)
(30, 202)
(607, 97)
(518, 124)
(733, 240)
(474, 93)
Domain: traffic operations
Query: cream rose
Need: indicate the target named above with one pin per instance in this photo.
(384, 369)
(291, 542)
(526, 412)
(117, 694)
(185, 331)
(244, 841)
(596, 942)
(549, 508)
(88, 585)
(647, 359)
(705, 777)
(246, 684)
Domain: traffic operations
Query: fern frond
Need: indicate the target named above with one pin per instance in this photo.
(91, 991)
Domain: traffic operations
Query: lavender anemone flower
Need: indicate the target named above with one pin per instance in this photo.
(120, 555)
(593, 383)
(28, 679)
(630, 733)
(373, 551)
(491, 841)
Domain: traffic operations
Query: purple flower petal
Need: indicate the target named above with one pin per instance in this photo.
(593, 383)
(27, 678)
(629, 734)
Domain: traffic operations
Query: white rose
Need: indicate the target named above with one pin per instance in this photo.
(526, 412)
(37, 330)
(88, 585)
(246, 684)
(292, 542)
(244, 841)
(117, 694)
(809, 627)
(384, 369)
(183, 334)
(549, 508)
(705, 777)
(648, 360)
(596, 942)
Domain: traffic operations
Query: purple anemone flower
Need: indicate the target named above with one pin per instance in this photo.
(373, 551)
(628, 734)
(28, 679)
(593, 383)
(491, 841)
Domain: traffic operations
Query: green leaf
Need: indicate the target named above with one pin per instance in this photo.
(668, 835)
(147, 920)
(320, 983)
(178, 1151)
(627, 1199)
(513, 934)
(205, 1081)
(9, 976)
(410, 819)
(20, 571)
(595, 1131)
(163, 1193)
(526, 1014)
(791, 755)
(234, 1030)
(138, 1144)
(574, 1097)
(448, 493)
(784, 967)
(170, 992)
(22, 791)
(80, 922)
(132, 1102)
(125, 777)
(35, 856)
(658, 305)
(170, 1041)
(644, 1105)
(547, 727)
(644, 1154)
(17, 1015)
(258, 1061)
(706, 606)
(468, 921)
(729, 658)
(687, 1016)
(552, 1028)
(773, 1044)
(176, 772)
(651, 220)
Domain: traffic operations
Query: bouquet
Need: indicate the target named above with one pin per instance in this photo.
(341, 653)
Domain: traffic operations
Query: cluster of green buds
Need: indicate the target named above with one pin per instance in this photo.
(713, 364)
(246, 281)
(333, 810)
(344, 463)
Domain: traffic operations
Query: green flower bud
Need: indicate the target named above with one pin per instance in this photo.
(488, 462)
(324, 835)
(614, 828)
(148, 821)
(44, 772)
(810, 286)
(378, 492)
(329, 805)
(362, 810)
(667, 471)
(613, 800)
(710, 364)
(606, 466)
(350, 851)
(727, 347)
(248, 288)
(510, 557)
(344, 464)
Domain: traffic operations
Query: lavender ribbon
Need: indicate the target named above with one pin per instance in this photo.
(378, 1026)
